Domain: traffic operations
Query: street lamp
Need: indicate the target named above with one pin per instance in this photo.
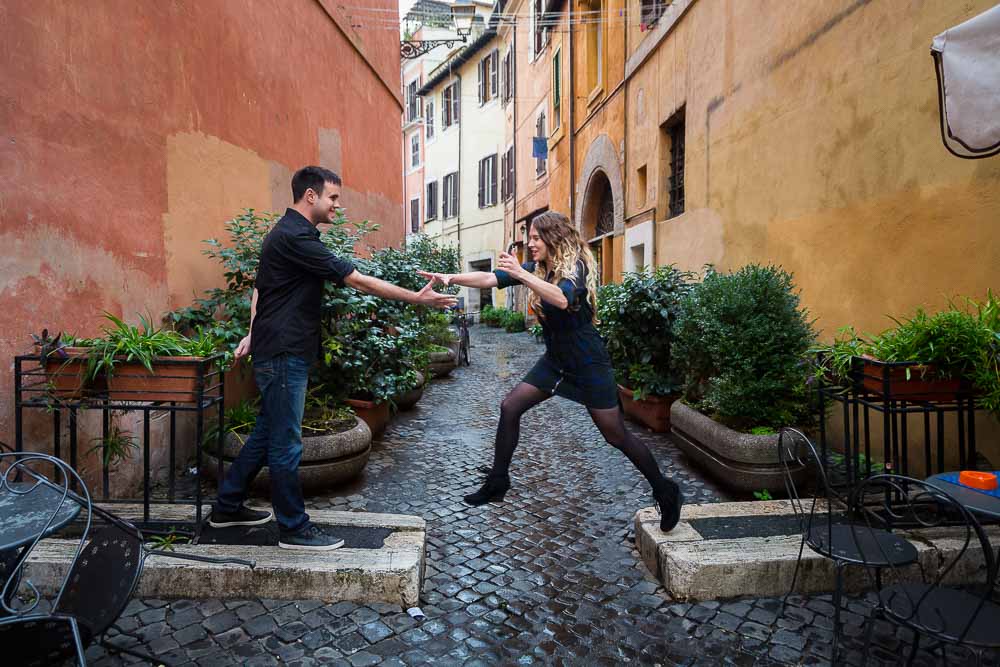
(462, 14)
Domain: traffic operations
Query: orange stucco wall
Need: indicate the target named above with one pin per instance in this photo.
(132, 131)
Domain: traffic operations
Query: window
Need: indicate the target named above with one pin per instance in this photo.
(675, 184)
(507, 79)
(507, 174)
(652, 10)
(488, 181)
(540, 132)
(414, 215)
(595, 43)
(429, 120)
(412, 102)
(640, 181)
(415, 150)
(539, 31)
(431, 207)
(556, 88)
(449, 105)
(488, 85)
(449, 196)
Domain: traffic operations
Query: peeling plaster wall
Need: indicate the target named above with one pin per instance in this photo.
(129, 132)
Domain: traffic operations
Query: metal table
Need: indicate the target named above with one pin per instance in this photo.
(26, 512)
(977, 502)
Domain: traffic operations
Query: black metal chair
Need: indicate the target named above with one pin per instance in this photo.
(948, 615)
(829, 533)
(99, 583)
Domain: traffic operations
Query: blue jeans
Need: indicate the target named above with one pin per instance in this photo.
(276, 440)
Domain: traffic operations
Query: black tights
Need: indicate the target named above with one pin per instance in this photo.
(610, 422)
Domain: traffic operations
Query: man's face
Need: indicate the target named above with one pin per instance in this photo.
(323, 207)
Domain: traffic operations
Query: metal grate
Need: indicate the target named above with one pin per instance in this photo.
(676, 184)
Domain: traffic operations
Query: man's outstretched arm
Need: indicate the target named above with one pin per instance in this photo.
(425, 297)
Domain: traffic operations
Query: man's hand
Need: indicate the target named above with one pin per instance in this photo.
(428, 297)
(436, 278)
(509, 264)
(243, 349)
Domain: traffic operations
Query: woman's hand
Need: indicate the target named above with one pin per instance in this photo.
(510, 265)
(436, 278)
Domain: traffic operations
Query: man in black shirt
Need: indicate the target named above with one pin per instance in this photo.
(284, 339)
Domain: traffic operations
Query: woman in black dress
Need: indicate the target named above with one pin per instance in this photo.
(563, 288)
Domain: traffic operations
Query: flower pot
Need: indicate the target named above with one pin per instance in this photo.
(408, 399)
(67, 377)
(890, 382)
(173, 379)
(376, 415)
(327, 460)
(741, 462)
(652, 411)
(442, 363)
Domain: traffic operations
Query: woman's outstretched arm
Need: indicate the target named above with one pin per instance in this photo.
(480, 279)
(547, 291)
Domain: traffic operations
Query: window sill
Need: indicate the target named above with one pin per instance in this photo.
(555, 137)
(595, 96)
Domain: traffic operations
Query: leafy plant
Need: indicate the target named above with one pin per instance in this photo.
(513, 321)
(763, 430)
(536, 331)
(116, 447)
(741, 340)
(131, 343)
(762, 495)
(167, 542)
(636, 319)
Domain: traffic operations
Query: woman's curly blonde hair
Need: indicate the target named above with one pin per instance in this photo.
(565, 248)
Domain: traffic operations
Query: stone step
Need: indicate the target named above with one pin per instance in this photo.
(693, 566)
(393, 573)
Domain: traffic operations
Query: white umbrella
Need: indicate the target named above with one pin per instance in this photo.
(967, 59)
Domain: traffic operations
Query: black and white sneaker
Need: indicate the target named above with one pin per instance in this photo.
(244, 516)
(310, 538)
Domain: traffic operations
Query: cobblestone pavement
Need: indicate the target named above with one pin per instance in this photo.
(550, 576)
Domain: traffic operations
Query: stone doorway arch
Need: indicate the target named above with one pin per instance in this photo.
(599, 192)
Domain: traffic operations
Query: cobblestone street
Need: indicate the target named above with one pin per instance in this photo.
(550, 576)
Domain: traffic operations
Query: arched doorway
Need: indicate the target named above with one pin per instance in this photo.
(598, 222)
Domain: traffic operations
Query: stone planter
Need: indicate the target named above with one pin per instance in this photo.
(408, 399)
(327, 460)
(741, 462)
(376, 415)
(442, 363)
(652, 411)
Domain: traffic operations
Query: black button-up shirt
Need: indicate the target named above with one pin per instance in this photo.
(294, 264)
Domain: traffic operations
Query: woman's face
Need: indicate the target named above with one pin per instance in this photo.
(536, 246)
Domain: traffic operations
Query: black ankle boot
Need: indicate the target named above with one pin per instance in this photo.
(669, 500)
(494, 489)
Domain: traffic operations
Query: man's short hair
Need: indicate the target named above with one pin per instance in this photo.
(312, 178)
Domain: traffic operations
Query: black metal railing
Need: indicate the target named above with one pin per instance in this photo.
(192, 385)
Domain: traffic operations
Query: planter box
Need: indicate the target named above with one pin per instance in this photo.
(376, 415)
(173, 379)
(652, 411)
(67, 377)
(738, 461)
(889, 381)
(327, 460)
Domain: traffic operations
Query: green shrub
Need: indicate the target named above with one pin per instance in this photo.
(486, 315)
(513, 322)
(741, 341)
(636, 319)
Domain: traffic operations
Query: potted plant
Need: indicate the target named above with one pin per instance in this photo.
(927, 357)
(64, 363)
(740, 341)
(336, 444)
(144, 363)
(537, 332)
(636, 319)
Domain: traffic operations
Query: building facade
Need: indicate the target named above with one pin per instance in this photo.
(117, 162)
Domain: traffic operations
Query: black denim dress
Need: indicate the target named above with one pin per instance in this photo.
(575, 364)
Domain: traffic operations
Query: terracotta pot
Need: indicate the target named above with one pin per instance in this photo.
(178, 382)
(652, 411)
(922, 385)
(376, 415)
(67, 377)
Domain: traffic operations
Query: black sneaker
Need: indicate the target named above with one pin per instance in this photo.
(311, 538)
(244, 516)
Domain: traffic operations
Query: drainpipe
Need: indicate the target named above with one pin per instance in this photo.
(461, 129)
(513, 74)
(572, 132)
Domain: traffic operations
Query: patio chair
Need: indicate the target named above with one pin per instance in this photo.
(947, 615)
(829, 533)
